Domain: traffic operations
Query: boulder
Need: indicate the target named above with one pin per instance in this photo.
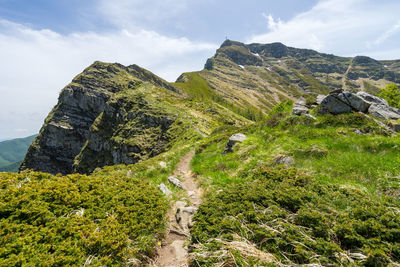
(384, 112)
(371, 99)
(236, 138)
(344, 102)
(331, 104)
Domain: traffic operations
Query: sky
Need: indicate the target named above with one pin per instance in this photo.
(45, 43)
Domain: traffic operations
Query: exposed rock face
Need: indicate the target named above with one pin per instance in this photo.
(97, 119)
(66, 129)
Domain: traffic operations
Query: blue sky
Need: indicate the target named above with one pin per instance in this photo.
(45, 43)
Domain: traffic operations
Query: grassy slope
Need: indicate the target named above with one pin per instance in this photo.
(338, 204)
(12, 151)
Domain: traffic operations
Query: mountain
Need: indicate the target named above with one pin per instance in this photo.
(220, 168)
(261, 75)
(12, 152)
(112, 114)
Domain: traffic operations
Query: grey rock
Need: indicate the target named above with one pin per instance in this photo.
(284, 160)
(163, 188)
(300, 107)
(320, 98)
(371, 99)
(332, 104)
(310, 116)
(384, 112)
(236, 138)
(344, 102)
(357, 131)
(173, 180)
(184, 217)
(298, 110)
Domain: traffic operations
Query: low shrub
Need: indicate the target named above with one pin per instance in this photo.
(300, 221)
(58, 221)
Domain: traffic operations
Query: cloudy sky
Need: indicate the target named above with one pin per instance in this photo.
(45, 43)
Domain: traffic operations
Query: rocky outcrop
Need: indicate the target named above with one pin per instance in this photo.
(345, 102)
(66, 128)
(97, 120)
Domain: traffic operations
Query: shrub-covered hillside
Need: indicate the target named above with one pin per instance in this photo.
(335, 201)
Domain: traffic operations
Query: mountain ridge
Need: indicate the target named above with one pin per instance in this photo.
(241, 81)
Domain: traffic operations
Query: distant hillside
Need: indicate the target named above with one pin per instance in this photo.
(12, 152)
(259, 76)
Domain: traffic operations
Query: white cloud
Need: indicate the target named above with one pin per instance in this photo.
(344, 27)
(37, 64)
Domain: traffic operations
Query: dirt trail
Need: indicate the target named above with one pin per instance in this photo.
(173, 252)
(344, 86)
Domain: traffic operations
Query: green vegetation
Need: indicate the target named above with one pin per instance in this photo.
(391, 93)
(338, 203)
(103, 219)
(12, 152)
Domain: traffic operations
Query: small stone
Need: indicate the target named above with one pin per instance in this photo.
(236, 138)
(300, 107)
(163, 164)
(164, 189)
(357, 131)
(184, 216)
(173, 180)
(310, 116)
(284, 160)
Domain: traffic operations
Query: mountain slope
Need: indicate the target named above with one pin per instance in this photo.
(112, 114)
(258, 76)
(13, 152)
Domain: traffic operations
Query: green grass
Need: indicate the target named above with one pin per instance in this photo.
(337, 199)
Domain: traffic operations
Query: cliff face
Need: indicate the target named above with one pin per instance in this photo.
(97, 95)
